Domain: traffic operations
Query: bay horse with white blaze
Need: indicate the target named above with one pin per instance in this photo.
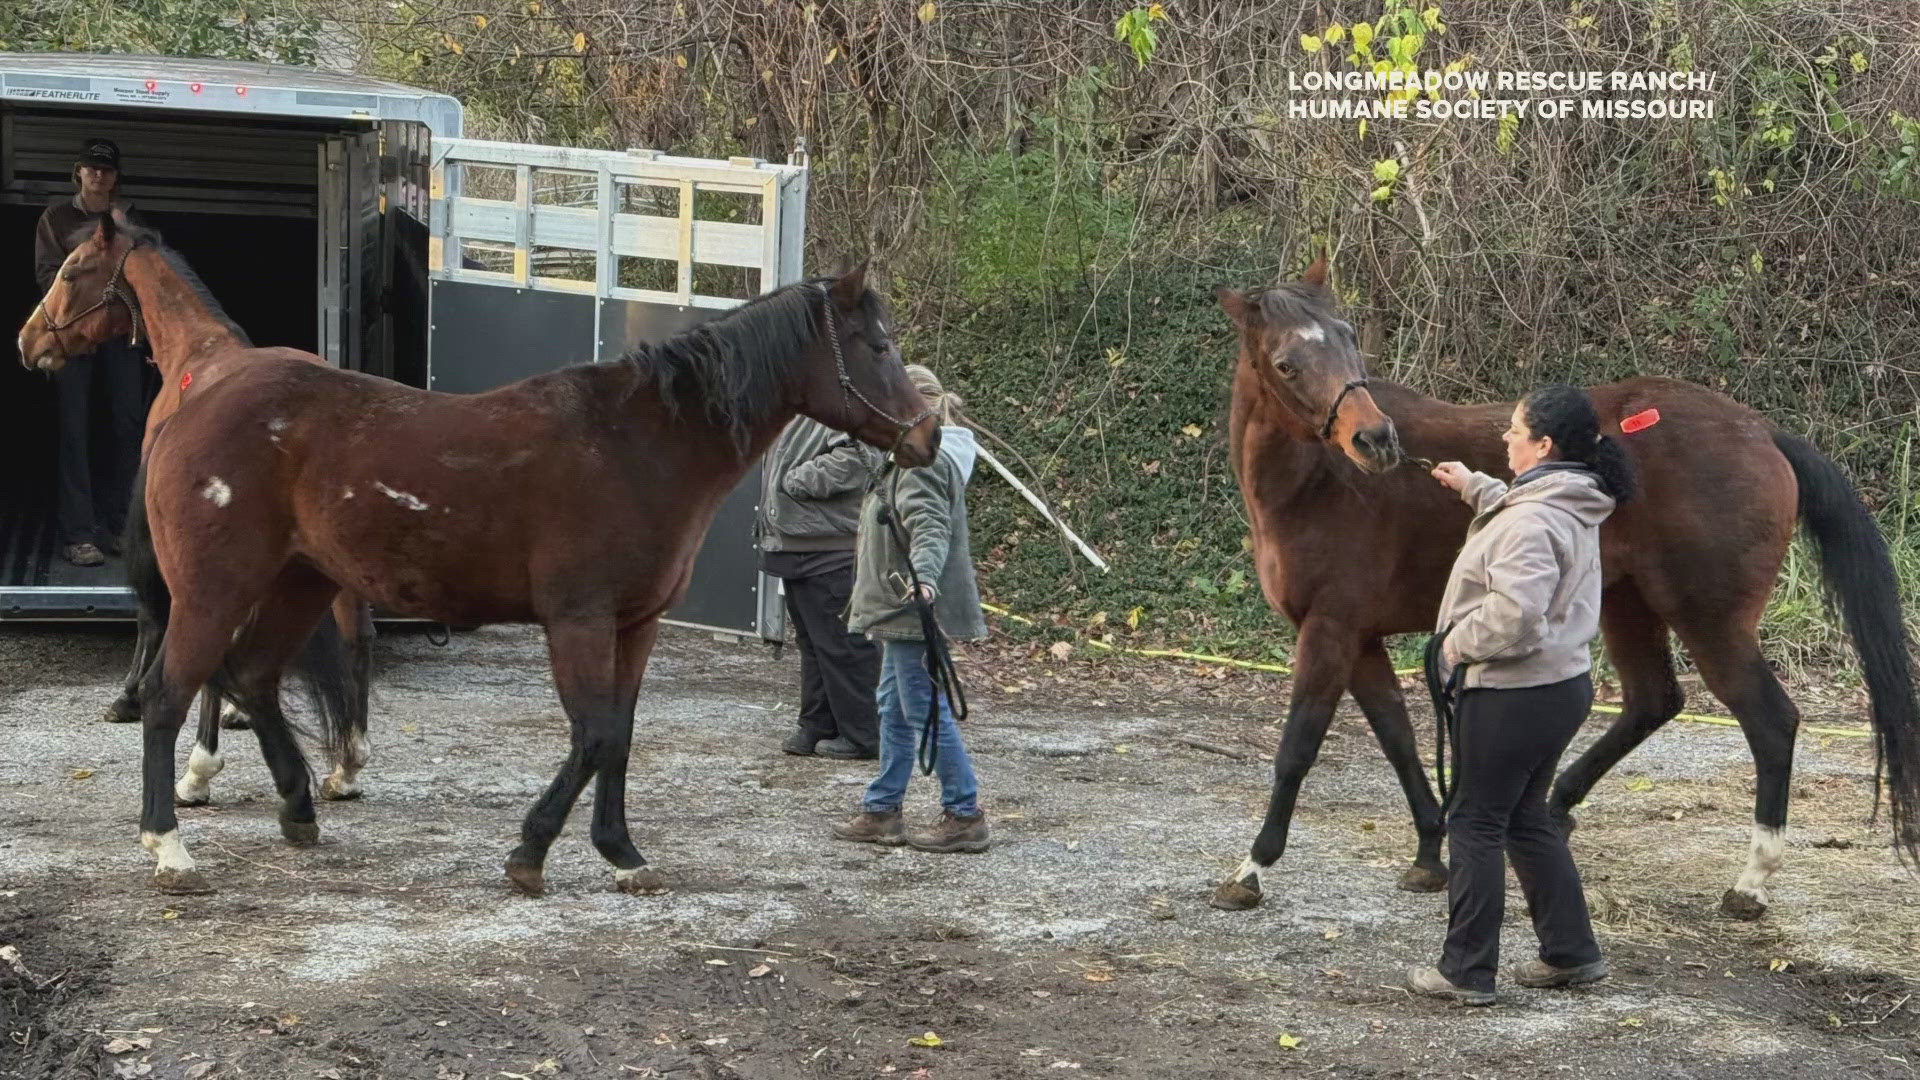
(576, 499)
(122, 281)
(1350, 547)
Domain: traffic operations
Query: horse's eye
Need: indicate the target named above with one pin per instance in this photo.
(1286, 370)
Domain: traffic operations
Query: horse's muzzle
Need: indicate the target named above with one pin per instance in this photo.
(915, 450)
(1377, 448)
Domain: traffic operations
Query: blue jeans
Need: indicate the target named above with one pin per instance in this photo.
(905, 692)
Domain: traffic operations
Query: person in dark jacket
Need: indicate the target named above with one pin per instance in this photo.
(914, 525)
(808, 519)
(1521, 609)
(94, 490)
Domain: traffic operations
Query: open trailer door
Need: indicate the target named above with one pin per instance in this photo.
(545, 256)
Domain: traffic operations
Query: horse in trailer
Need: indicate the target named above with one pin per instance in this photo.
(576, 499)
(152, 293)
(1351, 548)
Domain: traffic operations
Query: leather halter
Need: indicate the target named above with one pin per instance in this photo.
(1333, 414)
(848, 391)
(116, 289)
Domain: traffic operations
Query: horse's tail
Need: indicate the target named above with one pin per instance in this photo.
(325, 673)
(1859, 577)
(143, 565)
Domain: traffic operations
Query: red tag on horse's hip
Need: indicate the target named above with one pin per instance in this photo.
(1639, 421)
(186, 380)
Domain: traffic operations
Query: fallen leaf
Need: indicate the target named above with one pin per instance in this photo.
(716, 963)
(1099, 976)
(1064, 1065)
(928, 1040)
(1778, 964)
(928, 11)
(1123, 749)
(1640, 783)
(81, 774)
(1368, 826)
(1061, 650)
(480, 22)
(1331, 934)
(662, 1039)
(169, 914)
(1633, 1022)
(127, 1046)
(758, 971)
(717, 1040)
(580, 42)
(198, 1070)
(1288, 1042)
(548, 1067)
(1191, 431)
(329, 1074)
(1043, 993)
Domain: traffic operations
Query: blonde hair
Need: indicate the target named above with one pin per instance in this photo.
(944, 405)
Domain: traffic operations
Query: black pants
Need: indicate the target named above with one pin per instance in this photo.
(839, 671)
(97, 467)
(1510, 747)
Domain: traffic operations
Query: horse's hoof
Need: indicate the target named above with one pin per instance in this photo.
(1738, 905)
(641, 881)
(1421, 879)
(233, 719)
(334, 790)
(300, 832)
(530, 880)
(123, 711)
(1236, 895)
(180, 882)
(183, 797)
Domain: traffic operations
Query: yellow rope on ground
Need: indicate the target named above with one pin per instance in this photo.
(1281, 669)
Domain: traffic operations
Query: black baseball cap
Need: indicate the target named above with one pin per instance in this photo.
(100, 153)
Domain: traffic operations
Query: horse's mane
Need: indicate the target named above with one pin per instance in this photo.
(734, 368)
(1292, 303)
(145, 236)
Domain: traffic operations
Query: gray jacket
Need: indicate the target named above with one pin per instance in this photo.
(814, 479)
(1524, 596)
(929, 506)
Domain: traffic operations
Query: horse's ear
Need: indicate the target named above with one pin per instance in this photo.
(109, 227)
(852, 285)
(1316, 274)
(1235, 304)
(119, 216)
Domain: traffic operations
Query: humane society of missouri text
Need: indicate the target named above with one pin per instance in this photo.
(1602, 95)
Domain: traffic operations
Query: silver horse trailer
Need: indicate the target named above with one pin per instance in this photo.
(348, 217)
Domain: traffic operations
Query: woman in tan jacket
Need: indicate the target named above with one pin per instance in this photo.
(1520, 612)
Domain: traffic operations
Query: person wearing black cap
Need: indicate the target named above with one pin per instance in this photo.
(94, 493)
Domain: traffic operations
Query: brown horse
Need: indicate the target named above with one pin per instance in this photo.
(575, 499)
(124, 282)
(1351, 547)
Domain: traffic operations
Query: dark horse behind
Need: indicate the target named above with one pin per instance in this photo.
(1353, 545)
(575, 499)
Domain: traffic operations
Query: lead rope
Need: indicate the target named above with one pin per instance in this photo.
(1446, 723)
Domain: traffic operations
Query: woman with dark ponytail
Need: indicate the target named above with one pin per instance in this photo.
(1521, 610)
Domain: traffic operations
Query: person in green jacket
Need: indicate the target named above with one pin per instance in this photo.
(914, 525)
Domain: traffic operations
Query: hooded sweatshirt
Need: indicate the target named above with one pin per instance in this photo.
(929, 506)
(1524, 596)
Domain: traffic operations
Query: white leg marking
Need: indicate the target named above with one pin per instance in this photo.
(1767, 853)
(344, 780)
(1249, 870)
(202, 767)
(217, 492)
(167, 848)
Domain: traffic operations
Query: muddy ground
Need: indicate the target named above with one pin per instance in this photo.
(1081, 945)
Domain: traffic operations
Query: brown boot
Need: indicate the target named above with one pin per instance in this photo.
(868, 827)
(953, 833)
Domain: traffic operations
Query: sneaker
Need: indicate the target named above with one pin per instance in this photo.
(953, 833)
(871, 827)
(84, 555)
(1541, 975)
(799, 744)
(843, 750)
(1428, 981)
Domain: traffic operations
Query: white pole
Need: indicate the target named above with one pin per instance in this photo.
(1042, 507)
